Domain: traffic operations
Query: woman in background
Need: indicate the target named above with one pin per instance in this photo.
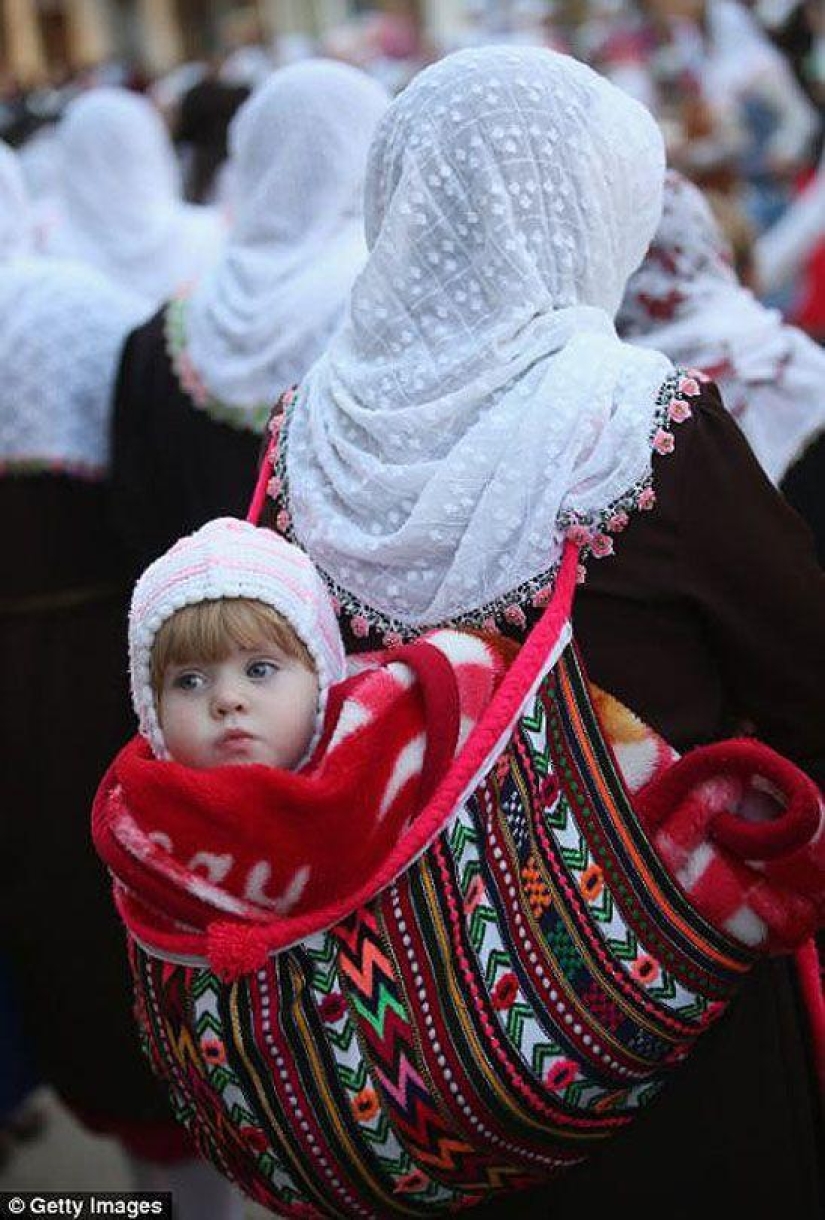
(119, 205)
(197, 382)
(65, 704)
(686, 301)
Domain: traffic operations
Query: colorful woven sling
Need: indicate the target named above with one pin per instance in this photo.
(517, 982)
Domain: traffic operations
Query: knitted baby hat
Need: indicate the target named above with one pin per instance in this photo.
(231, 558)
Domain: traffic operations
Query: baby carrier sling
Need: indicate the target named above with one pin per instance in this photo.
(517, 980)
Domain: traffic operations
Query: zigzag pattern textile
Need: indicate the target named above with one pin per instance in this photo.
(514, 998)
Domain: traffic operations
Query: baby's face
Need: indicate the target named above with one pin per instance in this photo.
(257, 705)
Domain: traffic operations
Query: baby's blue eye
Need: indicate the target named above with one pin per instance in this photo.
(258, 670)
(188, 681)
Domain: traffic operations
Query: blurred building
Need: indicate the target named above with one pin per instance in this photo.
(47, 38)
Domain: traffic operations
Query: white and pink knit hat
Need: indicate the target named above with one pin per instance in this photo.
(231, 558)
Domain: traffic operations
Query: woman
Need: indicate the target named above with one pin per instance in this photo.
(65, 703)
(475, 408)
(686, 301)
(119, 204)
(197, 381)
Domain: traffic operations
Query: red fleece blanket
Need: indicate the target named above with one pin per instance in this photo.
(739, 828)
(250, 842)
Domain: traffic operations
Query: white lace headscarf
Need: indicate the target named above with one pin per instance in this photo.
(119, 201)
(16, 236)
(62, 326)
(478, 395)
(686, 301)
(298, 154)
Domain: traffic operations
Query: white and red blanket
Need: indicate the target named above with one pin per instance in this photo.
(207, 852)
(246, 843)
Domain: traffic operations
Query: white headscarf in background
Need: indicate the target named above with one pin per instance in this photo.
(298, 153)
(120, 204)
(740, 61)
(478, 395)
(61, 330)
(686, 301)
(16, 236)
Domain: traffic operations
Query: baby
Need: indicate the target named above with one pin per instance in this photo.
(236, 659)
(233, 647)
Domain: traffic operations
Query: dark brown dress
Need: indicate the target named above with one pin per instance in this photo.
(64, 712)
(804, 488)
(173, 466)
(710, 619)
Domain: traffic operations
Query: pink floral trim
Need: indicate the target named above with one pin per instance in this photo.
(248, 419)
(594, 536)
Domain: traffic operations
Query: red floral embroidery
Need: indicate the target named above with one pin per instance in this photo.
(591, 882)
(645, 970)
(365, 1105)
(254, 1138)
(282, 521)
(412, 1181)
(561, 1074)
(333, 1007)
(689, 386)
(213, 1051)
(392, 639)
(646, 499)
(505, 992)
(274, 486)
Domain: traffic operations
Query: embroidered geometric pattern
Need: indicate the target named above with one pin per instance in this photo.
(517, 994)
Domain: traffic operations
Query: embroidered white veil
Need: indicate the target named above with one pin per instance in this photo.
(298, 154)
(119, 204)
(61, 329)
(686, 301)
(16, 230)
(477, 398)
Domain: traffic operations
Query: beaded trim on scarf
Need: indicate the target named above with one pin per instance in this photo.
(244, 419)
(593, 535)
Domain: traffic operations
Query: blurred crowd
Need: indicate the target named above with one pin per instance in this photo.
(172, 258)
(738, 89)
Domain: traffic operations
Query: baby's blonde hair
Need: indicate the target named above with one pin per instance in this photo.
(205, 633)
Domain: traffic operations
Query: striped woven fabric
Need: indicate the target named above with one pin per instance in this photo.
(514, 996)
